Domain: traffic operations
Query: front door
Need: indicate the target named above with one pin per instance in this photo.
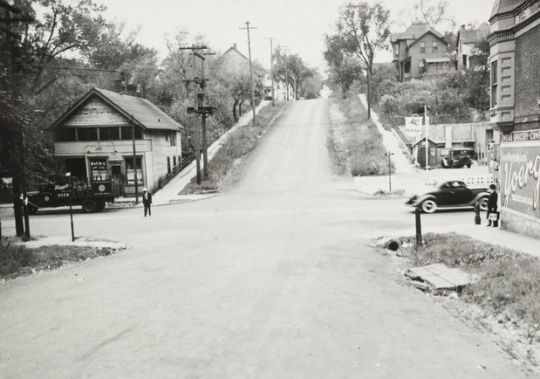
(116, 178)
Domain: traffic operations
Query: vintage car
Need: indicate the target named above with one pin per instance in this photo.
(450, 194)
(458, 158)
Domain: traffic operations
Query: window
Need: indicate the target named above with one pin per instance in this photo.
(98, 169)
(396, 49)
(494, 82)
(126, 133)
(464, 61)
(174, 161)
(109, 134)
(422, 47)
(434, 47)
(172, 138)
(168, 165)
(87, 134)
(130, 173)
(65, 135)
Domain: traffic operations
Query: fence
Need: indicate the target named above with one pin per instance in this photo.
(186, 160)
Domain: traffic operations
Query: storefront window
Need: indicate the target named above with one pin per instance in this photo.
(130, 172)
(65, 135)
(98, 169)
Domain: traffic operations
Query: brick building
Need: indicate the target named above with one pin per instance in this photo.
(94, 139)
(515, 110)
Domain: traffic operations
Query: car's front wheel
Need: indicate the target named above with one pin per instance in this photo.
(429, 206)
(483, 203)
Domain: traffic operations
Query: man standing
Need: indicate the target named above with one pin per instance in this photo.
(147, 201)
(492, 205)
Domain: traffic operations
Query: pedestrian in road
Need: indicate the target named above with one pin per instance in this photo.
(492, 206)
(147, 202)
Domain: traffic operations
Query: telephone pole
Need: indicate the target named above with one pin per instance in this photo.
(201, 107)
(285, 50)
(250, 69)
(272, 69)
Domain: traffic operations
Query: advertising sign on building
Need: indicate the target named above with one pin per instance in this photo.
(520, 176)
(413, 126)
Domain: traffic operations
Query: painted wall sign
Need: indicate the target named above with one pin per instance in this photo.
(530, 135)
(520, 187)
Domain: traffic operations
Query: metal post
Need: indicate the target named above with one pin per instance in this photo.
(477, 219)
(368, 94)
(418, 228)
(135, 160)
(197, 155)
(71, 210)
(389, 171)
(426, 125)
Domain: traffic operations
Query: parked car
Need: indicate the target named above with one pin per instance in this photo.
(450, 194)
(458, 158)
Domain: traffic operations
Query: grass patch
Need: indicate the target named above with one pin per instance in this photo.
(18, 260)
(237, 145)
(509, 281)
(354, 142)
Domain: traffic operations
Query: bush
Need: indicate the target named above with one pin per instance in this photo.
(13, 257)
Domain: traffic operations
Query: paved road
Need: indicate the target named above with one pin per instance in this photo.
(273, 279)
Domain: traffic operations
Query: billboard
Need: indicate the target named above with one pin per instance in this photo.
(413, 126)
(520, 171)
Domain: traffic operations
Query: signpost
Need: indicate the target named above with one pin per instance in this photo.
(68, 175)
(389, 154)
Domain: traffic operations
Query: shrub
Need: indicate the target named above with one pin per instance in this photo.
(13, 257)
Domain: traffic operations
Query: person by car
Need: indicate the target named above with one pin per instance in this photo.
(492, 206)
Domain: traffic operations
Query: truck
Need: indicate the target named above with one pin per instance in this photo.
(92, 196)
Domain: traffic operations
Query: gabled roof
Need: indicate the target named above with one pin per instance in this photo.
(415, 31)
(146, 115)
(233, 50)
(474, 35)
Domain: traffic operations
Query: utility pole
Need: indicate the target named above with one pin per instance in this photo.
(285, 50)
(134, 160)
(272, 69)
(250, 70)
(200, 108)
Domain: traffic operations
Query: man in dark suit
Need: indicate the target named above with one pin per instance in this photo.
(492, 205)
(147, 201)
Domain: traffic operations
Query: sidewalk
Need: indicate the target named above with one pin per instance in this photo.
(170, 192)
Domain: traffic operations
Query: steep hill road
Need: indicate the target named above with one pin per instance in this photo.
(273, 279)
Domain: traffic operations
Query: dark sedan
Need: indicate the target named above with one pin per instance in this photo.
(450, 194)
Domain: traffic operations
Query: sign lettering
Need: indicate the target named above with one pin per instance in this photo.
(531, 135)
(521, 187)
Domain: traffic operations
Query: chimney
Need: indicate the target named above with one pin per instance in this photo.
(234, 46)
(131, 89)
(118, 86)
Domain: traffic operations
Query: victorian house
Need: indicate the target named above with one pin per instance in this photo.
(515, 110)
(94, 140)
(467, 44)
(419, 51)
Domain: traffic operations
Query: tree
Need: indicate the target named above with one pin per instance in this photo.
(362, 30)
(291, 67)
(431, 12)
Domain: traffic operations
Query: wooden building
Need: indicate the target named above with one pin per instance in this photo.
(94, 139)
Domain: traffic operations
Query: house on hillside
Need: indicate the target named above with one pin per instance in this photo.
(466, 43)
(419, 51)
(234, 61)
(94, 140)
(514, 41)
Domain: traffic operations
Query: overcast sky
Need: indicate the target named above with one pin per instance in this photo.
(299, 24)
